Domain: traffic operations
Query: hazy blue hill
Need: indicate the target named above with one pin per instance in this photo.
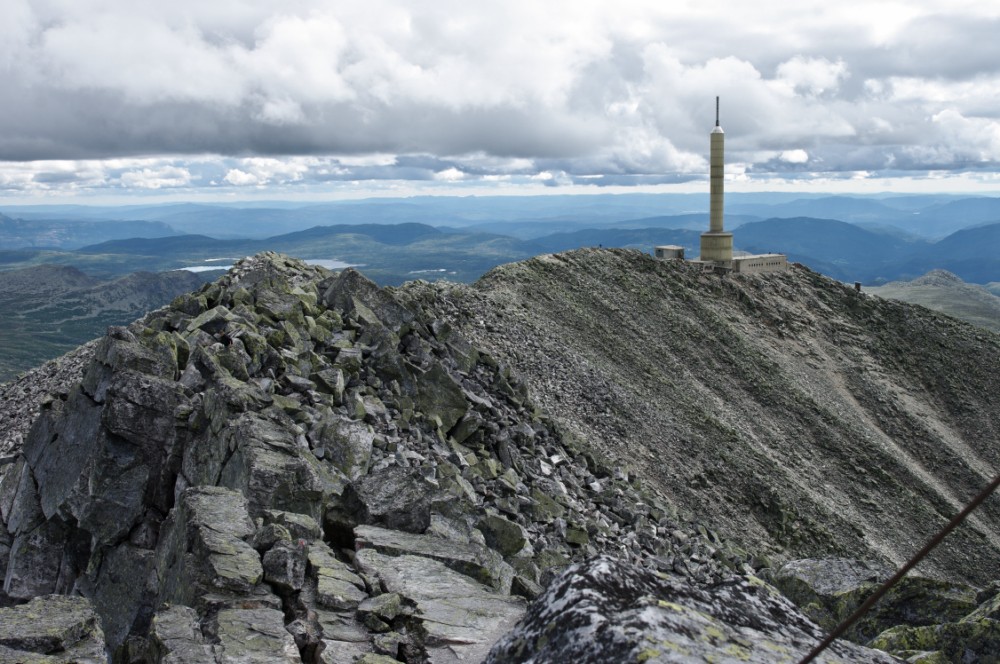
(972, 253)
(386, 234)
(155, 246)
(849, 252)
(970, 243)
(844, 208)
(941, 219)
(967, 210)
(912, 202)
(73, 233)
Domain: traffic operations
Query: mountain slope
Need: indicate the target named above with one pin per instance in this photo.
(51, 309)
(942, 291)
(802, 418)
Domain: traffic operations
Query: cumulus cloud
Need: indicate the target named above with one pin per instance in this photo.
(245, 95)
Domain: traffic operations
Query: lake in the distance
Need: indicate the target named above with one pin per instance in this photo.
(226, 263)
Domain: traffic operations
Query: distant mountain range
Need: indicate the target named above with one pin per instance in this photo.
(523, 217)
(72, 233)
(872, 240)
(396, 253)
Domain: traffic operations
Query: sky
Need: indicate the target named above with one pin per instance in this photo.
(225, 99)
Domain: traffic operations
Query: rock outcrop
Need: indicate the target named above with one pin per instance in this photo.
(606, 611)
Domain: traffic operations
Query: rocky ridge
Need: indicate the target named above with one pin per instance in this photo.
(295, 453)
(801, 418)
(292, 465)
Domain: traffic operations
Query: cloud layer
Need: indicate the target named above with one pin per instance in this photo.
(145, 95)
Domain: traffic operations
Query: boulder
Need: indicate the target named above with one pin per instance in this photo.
(203, 546)
(973, 641)
(65, 628)
(337, 587)
(285, 566)
(473, 560)
(459, 618)
(351, 291)
(175, 636)
(348, 445)
(397, 497)
(606, 610)
(254, 636)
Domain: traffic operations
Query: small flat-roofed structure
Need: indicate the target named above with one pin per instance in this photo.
(758, 263)
(669, 251)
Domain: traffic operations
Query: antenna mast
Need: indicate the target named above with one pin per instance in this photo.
(716, 111)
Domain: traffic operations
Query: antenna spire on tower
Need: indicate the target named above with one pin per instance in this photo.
(717, 111)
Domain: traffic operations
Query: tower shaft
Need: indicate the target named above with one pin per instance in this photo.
(716, 181)
(716, 244)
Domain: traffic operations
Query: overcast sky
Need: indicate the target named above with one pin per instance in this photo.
(286, 98)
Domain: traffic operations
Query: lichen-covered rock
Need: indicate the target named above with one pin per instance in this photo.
(337, 587)
(504, 536)
(972, 641)
(203, 547)
(285, 566)
(830, 590)
(459, 618)
(475, 561)
(348, 445)
(609, 611)
(351, 290)
(175, 636)
(65, 628)
(398, 498)
(254, 636)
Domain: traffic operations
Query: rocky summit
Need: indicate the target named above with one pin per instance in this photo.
(296, 465)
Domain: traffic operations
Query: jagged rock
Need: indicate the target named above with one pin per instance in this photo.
(459, 618)
(609, 611)
(176, 637)
(285, 566)
(268, 467)
(437, 393)
(348, 445)
(475, 561)
(337, 587)
(398, 498)
(252, 636)
(504, 536)
(35, 559)
(203, 546)
(125, 591)
(66, 628)
(386, 606)
(350, 290)
(298, 526)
